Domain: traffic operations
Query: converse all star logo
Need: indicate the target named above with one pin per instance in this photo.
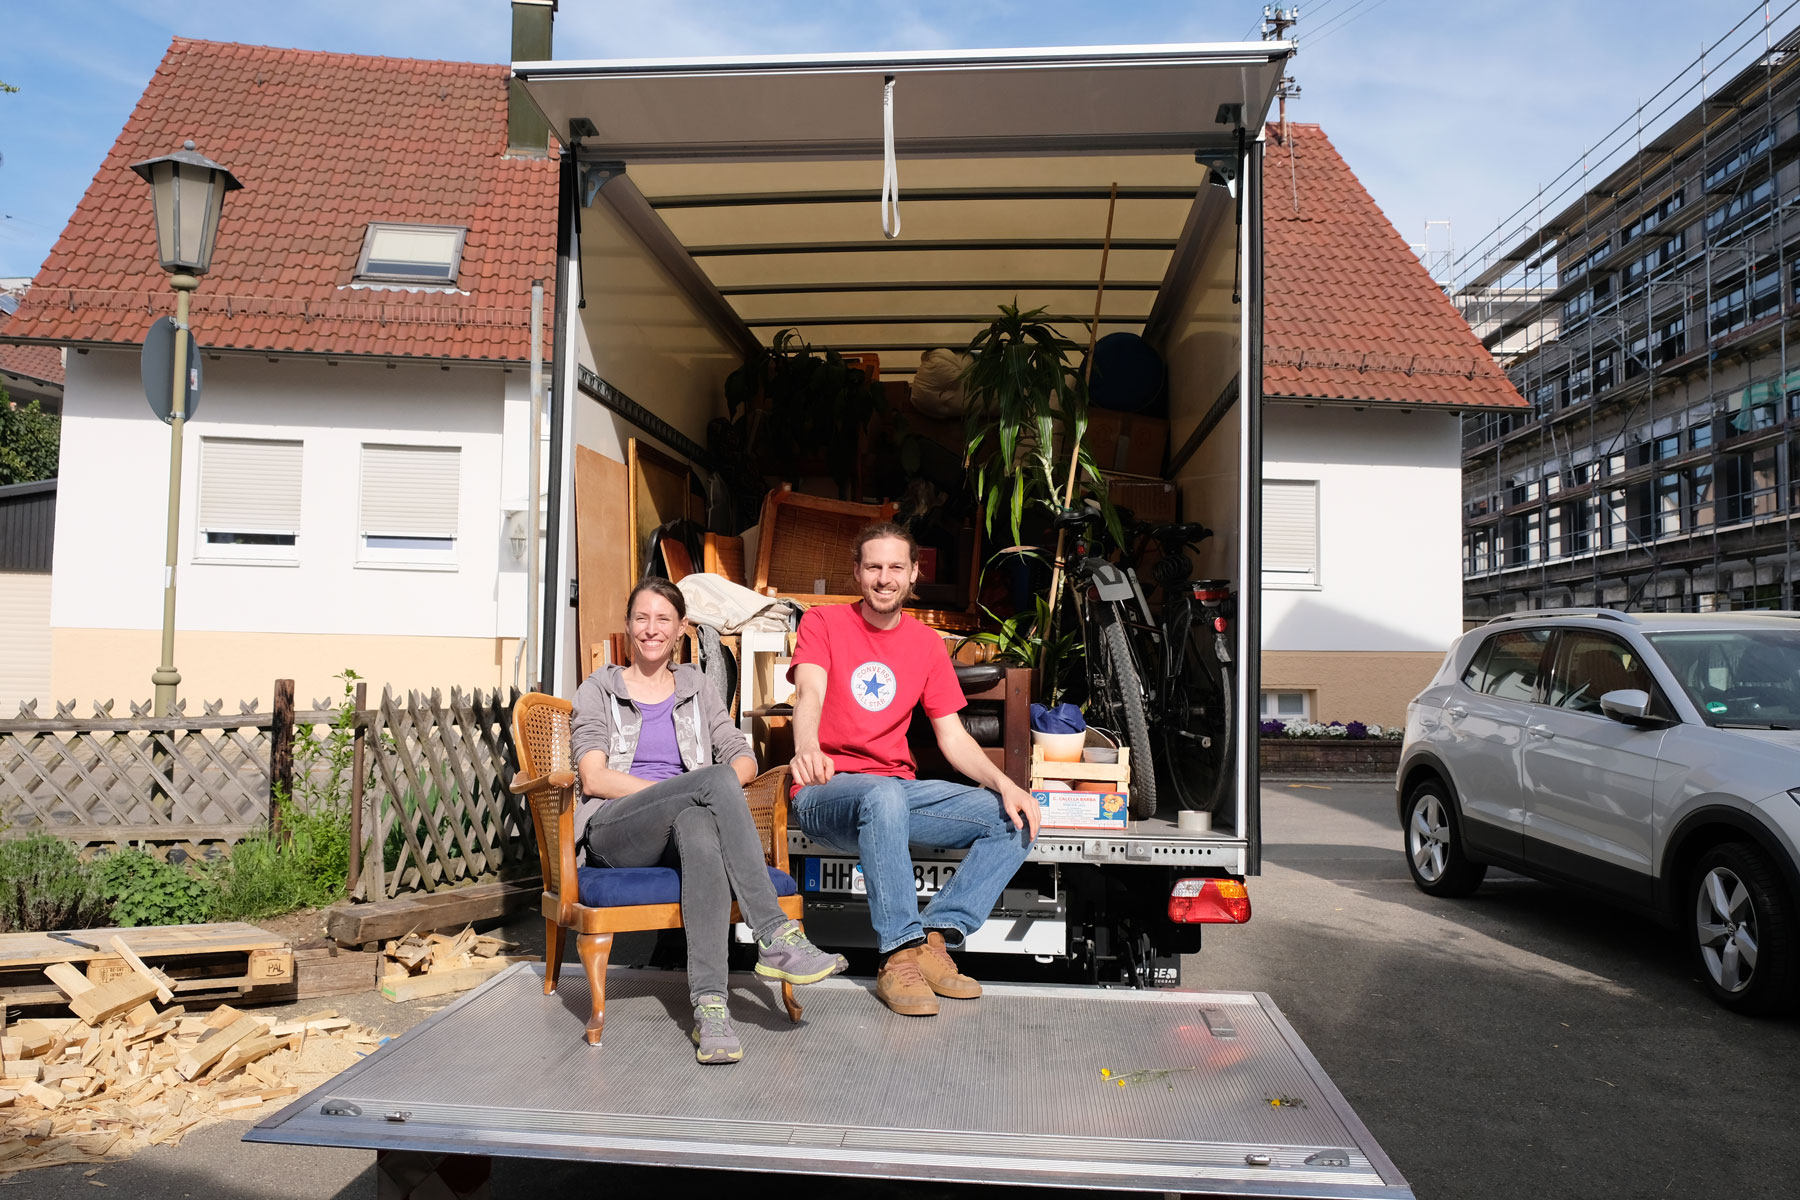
(873, 686)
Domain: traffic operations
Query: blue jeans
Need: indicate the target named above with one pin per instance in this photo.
(882, 817)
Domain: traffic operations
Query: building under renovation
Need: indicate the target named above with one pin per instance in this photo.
(1646, 304)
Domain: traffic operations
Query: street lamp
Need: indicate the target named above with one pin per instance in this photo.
(188, 191)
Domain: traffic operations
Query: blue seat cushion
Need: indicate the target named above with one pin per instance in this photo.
(620, 887)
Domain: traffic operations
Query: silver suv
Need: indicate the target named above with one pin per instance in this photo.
(1653, 758)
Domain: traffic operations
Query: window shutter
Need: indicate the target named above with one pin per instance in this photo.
(249, 486)
(410, 491)
(1290, 532)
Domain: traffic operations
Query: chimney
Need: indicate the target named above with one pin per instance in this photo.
(527, 132)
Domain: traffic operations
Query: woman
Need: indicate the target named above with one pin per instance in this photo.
(662, 771)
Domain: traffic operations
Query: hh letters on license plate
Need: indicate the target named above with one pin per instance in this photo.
(846, 875)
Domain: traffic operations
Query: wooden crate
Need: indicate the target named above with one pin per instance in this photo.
(228, 959)
(805, 548)
(1116, 773)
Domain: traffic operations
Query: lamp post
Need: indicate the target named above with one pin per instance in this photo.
(188, 191)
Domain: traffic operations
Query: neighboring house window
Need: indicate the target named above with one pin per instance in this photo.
(1285, 706)
(423, 254)
(249, 499)
(408, 511)
(1290, 531)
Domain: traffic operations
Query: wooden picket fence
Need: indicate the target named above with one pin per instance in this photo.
(429, 801)
(187, 783)
(436, 810)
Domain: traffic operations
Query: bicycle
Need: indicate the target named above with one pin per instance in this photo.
(1147, 674)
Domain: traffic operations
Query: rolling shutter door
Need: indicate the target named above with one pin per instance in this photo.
(410, 491)
(249, 486)
(1290, 533)
(24, 640)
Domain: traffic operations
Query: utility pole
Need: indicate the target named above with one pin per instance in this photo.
(1276, 22)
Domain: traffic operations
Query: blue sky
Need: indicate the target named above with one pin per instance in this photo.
(1449, 110)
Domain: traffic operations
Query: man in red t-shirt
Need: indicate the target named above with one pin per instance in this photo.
(859, 670)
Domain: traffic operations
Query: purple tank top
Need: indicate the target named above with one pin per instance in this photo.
(658, 755)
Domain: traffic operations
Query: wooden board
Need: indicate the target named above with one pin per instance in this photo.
(360, 924)
(603, 555)
(201, 961)
(327, 971)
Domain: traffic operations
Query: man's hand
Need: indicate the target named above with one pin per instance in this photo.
(1022, 807)
(813, 766)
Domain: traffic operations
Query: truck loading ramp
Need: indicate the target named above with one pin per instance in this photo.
(1208, 1093)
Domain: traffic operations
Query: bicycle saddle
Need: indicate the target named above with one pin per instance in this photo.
(1182, 534)
(976, 677)
(1074, 519)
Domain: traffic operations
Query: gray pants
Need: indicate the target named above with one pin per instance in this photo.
(700, 823)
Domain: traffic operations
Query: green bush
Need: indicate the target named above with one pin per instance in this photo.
(44, 885)
(306, 866)
(144, 890)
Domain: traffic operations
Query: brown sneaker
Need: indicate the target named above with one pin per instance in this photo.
(940, 971)
(901, 987)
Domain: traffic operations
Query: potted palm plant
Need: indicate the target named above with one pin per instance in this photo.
(1025, 426)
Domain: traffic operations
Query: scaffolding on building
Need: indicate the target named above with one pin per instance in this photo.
(1644, 301)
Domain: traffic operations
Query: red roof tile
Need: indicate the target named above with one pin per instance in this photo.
(1350, 312)
(42, 363)
(324, 144)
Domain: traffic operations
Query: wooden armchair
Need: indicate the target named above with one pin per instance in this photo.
(540, 730)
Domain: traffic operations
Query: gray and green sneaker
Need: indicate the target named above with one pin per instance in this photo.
(714, 1039)
(790, 957)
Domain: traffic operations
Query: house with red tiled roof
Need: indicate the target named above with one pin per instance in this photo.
(356, 466)
(1367, 370)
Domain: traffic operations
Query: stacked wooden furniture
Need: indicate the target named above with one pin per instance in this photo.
(546, 778)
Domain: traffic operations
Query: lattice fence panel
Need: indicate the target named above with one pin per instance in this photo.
(438, 812)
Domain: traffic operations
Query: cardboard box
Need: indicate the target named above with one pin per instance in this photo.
(1084, 810)
(1127, 442)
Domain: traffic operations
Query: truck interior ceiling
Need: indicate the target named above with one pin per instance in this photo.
(717, 204)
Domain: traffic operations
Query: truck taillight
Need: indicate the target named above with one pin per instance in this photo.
(1209, 902)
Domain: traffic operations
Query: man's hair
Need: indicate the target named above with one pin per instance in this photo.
(885, 529)
(660, 587)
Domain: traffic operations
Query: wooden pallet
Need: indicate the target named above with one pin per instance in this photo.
(205, 962)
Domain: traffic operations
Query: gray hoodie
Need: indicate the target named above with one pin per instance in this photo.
(607, 719)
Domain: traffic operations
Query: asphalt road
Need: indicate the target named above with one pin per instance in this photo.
(1524, 1042)
(1521, 1043)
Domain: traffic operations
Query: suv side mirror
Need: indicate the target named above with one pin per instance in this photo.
(1629, 705)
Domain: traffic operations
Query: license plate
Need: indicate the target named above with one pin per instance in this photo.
(845, 875)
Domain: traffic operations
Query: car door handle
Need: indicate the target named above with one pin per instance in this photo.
(1542, 731)
(1457, 710)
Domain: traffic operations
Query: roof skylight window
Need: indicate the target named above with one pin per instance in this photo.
(418, 254)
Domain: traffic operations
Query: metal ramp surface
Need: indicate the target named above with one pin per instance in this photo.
(1019, 1087)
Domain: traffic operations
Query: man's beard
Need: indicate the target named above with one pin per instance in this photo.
(890, 604)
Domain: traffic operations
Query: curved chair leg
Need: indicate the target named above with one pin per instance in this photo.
(787, 999)
(553, 952)
(594, 949)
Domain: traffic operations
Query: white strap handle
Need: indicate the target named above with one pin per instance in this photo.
(890, 170)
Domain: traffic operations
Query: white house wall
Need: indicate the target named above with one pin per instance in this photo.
(441, 626)
(1388, 600)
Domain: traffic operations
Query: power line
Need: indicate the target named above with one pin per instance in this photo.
(1346, 17)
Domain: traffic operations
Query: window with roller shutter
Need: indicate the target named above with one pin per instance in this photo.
(1290, 521)
(249, 507)
(407, 513)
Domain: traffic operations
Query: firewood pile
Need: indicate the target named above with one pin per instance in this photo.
(127, 1072)
(435, 964)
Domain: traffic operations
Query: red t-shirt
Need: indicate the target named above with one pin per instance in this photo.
(874, 678)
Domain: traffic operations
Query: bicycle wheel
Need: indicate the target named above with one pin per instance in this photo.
(1194, 737)
(1116, 688)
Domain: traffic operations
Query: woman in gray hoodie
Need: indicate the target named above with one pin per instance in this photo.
(662, 770)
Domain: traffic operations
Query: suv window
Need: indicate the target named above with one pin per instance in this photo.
(1737, 677)
(1507, 667)
(1589, 665)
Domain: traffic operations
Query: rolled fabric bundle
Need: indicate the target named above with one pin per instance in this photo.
(937, 389)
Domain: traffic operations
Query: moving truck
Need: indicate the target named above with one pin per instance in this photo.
(707, 205)
(704, 206)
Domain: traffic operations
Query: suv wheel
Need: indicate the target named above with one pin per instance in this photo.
(1742, 930)
(1434, 847)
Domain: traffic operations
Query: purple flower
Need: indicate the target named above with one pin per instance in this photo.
(1273, 729)
(1356, 729)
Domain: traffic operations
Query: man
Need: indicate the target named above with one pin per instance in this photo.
(859, 670)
